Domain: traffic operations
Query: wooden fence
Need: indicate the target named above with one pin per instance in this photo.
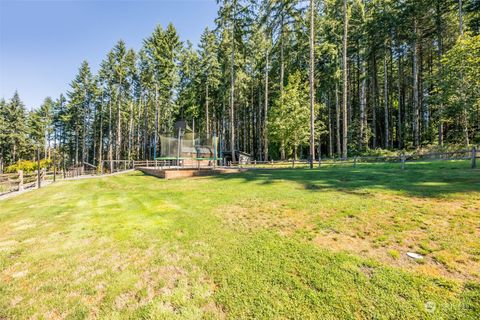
(19, 181)
(12, 182)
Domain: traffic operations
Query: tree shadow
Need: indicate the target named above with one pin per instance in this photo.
(434, 179)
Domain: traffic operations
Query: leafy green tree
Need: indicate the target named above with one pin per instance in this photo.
(461, 85)
(289, 125)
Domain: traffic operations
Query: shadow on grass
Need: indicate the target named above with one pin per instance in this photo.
(425, 179)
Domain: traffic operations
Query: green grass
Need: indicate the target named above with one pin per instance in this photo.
(324, 244)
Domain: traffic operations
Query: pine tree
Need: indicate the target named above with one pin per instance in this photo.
(15, 132)
(80, 99)
(210, 70)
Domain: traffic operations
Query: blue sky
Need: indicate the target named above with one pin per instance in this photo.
(42, 43)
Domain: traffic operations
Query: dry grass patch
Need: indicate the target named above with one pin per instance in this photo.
(443, 230)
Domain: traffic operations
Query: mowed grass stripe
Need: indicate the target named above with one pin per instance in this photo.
(327, 243)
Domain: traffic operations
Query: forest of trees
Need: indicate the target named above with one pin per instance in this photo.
(359, 74)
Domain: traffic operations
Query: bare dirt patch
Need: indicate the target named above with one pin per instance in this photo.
(444, 231)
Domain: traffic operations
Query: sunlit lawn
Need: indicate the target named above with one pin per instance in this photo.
(324, 244)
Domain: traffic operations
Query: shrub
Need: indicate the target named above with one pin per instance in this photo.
(28, 166)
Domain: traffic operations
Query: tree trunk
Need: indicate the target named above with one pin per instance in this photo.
(337, 110)
(265, 110)
(400, 104)
(386, 101)
(363, 105)
(100, 140)
(312, 92)
(330, 133)
(145, 129)
(110, 138)
(84, 136)
(94, 136)
(155, 134)
(374, 101)
(118, 142)
(76, 144)
(464, 113)
(130, 131)
(139, 117)
(345, 80)
(416, 136)
(440, 69)
(206, 111)
(232, 95)
(282, 59)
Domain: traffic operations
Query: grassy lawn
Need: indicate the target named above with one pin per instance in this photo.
(324, 244)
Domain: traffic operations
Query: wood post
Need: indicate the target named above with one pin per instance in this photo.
(20, 180)
(355, 161)
(54, 165)
(402, 159)
(39, 178)
(474, 157)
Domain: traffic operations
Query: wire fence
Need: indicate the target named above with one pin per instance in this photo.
(471, 155)
(19, 181)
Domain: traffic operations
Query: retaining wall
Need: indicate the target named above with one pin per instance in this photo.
(186, 173)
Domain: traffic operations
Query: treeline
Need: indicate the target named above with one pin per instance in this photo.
(386, 74)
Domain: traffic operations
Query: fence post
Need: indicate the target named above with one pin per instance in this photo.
(20, 180)
(402, 159)
(474, 157)
(355, 161)
(54, 166)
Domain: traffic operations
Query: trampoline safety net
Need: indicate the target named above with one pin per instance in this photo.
(187, 146)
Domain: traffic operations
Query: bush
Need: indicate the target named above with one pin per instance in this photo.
(28, 166)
